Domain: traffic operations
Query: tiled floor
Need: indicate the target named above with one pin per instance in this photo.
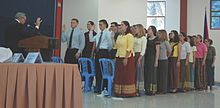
(193, 99)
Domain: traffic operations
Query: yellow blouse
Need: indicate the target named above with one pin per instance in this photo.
(123, 44)
(175, 50)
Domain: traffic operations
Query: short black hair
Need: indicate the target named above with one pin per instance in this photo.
(105, 22)
(91, 22)
(74, 19)
(192, 41)
(115, 23)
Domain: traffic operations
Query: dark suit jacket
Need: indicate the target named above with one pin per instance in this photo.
(15, 32)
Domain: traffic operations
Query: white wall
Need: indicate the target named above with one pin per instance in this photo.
(196, 12)
(172, 15)
(84, 10)
(135, 12)
(119, 10)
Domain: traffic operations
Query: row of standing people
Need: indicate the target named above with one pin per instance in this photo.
(150, 63)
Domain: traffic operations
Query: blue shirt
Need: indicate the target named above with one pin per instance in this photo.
(106, 42)
(78, 39)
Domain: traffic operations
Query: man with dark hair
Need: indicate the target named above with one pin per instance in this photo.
(17, 31)
(103, 46)
(74, 19)
(75, 41)
(114, 30)
(104, 22)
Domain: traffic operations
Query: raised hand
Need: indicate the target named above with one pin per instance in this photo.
(63, 28)
(38, 21)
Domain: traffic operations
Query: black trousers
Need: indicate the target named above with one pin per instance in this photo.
(102, 53)
(112, 53)
(70, 56)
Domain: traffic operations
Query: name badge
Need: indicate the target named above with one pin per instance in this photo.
(17, 58)
(33, 57)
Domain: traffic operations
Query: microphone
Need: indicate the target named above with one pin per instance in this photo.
(29, 26)
(34, 29)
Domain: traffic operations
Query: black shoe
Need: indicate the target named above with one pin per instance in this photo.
(211, 88)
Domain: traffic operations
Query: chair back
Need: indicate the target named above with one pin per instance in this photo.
(107, 68)
(86, 65)
(56, 59)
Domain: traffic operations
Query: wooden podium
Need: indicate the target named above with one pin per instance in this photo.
(43, 44)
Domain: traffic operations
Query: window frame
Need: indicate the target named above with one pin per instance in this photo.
(158, 16)
(211, 11)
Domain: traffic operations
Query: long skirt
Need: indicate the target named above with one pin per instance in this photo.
(124, 81)
(187, 84)
(162, 76)
(139, 73)
(192, 75)
(173, 73)
(150, 76)
(183, 73)
(200, 75)
(210, 71)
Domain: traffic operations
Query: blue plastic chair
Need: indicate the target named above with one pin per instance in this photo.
(56, 59)
(84, 70)
(108, 69)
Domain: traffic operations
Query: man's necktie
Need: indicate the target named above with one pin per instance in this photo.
(71, 37)
(99, 42)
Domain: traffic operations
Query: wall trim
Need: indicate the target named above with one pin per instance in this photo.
(58, 23)
(183, 16)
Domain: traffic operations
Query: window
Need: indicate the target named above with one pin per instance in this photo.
(215, 14)
(156, 13)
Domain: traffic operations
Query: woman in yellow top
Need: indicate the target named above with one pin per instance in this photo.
(124, 81)
(174, 61)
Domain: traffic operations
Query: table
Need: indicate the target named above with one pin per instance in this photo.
(40, 86)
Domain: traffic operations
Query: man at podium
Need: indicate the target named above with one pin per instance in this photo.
(17, 30)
